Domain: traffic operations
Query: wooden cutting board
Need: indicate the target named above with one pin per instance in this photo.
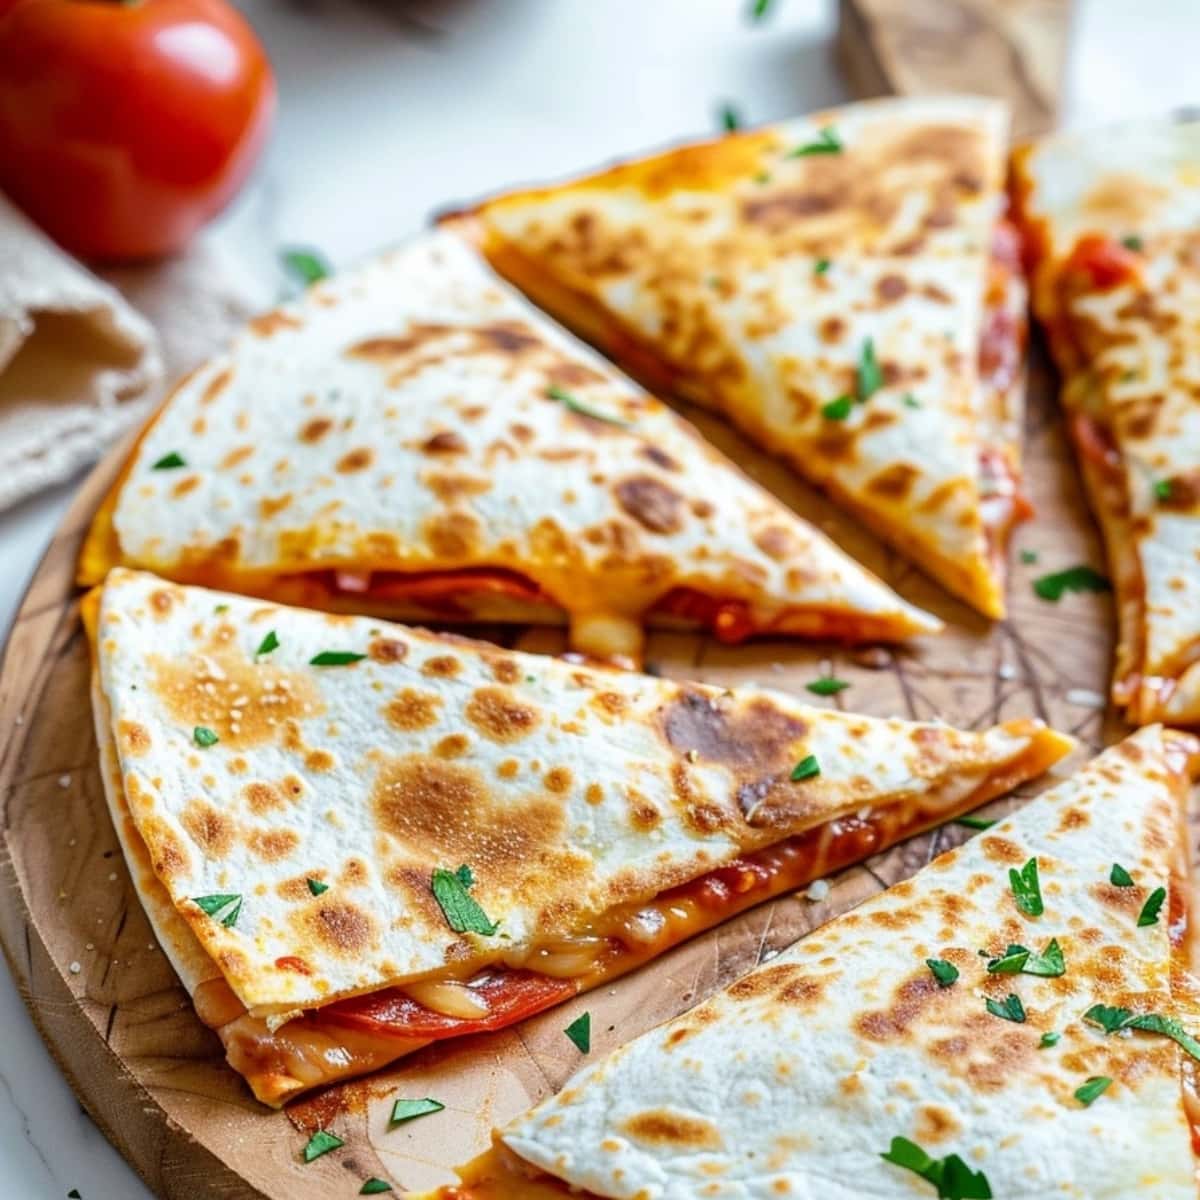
(123, 1030)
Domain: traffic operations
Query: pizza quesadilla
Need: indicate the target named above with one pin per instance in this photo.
(1112, 224)
(414, 439)
(842, 286)
(1009, 1022)
(355, 838)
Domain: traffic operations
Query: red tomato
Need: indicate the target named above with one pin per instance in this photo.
(511, 997)
(126, 126)
(1104, 262)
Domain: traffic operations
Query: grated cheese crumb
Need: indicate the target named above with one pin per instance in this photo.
(818, 890)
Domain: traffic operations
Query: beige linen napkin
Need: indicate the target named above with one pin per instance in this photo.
(77, 363)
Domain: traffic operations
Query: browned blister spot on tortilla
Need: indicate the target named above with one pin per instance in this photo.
(557, 780)
(314, 430)
(238, 454)
(161, 602)
(450, 486)
(319, 761)
(910, 1002)
(452, 534)
(336, 927)
(358, 459)
(499, 715)
(890, 288)
(662, 1127)
(270, 323)
(445, 812)
(270, 506)
(216, 385)
(273, 844)
(409, 709)
(643, 815)
(211, 830)
(1001, 850)
(777, 542)
(168, 854)
(188, 484)
(894, 481)
(651, 503)
(243, 701)
(442, 666)
(386, 650)
(444, 442)
(134, 739)
(262, 797)
(453, 745)
(935, 1123)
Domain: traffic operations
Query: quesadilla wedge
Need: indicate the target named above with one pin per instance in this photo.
(414, 439)
(1010, 1022)
(367, 837)
(1112, 226)
(843, 287)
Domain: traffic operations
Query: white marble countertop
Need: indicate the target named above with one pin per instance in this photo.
(390, 110)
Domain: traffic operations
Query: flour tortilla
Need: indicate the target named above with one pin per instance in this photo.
(565, 790)
(794, 1080)
(1130, 355)
(415, 421)
(750, 278)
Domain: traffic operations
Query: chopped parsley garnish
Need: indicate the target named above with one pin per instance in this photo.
(806, 768)
(580, 1032)
(203, 736)
(1162, 490)
(910, 401)
(462, 912)
(1168, 1027)
(320, 1143)
(305, 266)
(269, 643)
(951, 1176)
(1150, 910)
(839, 409)
(827, 142)
(763, 177)
(1096, 1086)
(1074, 579)
(976, 822)
(944, 972)
(827, 686)
(554, 392)
(221, 906)
(1131, 241)
(1029, 556)
(374, 1186)
(1011, 1009)
(822, 265)
(730, 119)
(1026, 889)
(409, 1110)
(1109, 1019)
(870, 377)
(1113, 1020)
(1050, 1038)
(759, 9)
(169, 462)
(1020, 959)
(316, 886)
(1119, 877)
(335, 658)
(221, 608)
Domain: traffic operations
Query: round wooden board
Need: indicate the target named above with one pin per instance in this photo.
(122, 1027)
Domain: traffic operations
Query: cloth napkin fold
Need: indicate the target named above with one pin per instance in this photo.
(77, 363)
(82, 358)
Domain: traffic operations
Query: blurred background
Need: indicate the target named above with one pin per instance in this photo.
(391, 111)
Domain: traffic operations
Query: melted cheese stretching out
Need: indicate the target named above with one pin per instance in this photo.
(414, 439)
(605, 816)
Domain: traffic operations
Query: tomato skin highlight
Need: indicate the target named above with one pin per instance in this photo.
(126, 127)
(511, 996)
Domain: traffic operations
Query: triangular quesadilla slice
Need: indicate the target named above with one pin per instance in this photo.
(1010, 1022)
(1112, 223)
(367, 837)
(414, 439)
(842, 286)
